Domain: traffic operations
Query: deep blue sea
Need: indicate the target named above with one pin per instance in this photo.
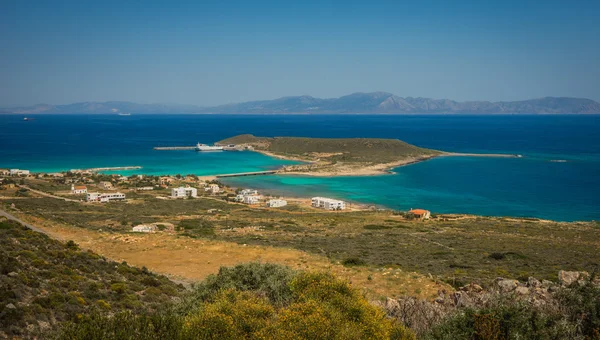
(532, 186)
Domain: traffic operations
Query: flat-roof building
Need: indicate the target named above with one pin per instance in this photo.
(328, 203)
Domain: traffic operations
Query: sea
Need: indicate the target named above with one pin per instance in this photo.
(557, 178)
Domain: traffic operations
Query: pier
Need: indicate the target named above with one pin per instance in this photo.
(174, 148)
(254, 173)
(114, 168)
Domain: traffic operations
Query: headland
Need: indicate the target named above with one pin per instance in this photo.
(342, 156)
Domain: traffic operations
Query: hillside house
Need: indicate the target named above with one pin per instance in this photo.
(18, 172)
(213, 188)
(186, 191)
(252, 199)
(104, 197)
(421, 214)
(78, 189)
(276, 203)
(328, 203)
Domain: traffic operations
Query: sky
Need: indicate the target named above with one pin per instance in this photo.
(217, 52)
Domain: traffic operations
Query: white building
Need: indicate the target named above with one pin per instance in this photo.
(184, 192)
(276, 203)
(106, 185)
(79, 189)
(144, 188)
(104, 197)
(213, 188)
(142, 228)
(252, 199)
(247, 192)
(328, 203)
(19, 172)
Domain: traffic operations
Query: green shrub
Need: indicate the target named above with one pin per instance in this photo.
(269, 280)
(353, 261)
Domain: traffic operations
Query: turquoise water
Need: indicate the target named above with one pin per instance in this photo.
(532, 186)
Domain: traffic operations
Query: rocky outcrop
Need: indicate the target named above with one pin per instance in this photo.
(568, 278)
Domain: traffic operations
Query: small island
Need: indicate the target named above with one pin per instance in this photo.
(341, 156)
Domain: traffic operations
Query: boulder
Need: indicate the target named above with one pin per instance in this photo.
(507, 285)
(391, 305)
(533, 282)
(568, 278)
(522, 290)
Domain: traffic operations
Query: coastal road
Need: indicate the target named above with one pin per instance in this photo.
(46, 194)
(11, 217)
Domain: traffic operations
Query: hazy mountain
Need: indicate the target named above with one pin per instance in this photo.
(376, 102)
(106, 107)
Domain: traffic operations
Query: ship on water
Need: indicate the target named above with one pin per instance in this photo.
(205, 147)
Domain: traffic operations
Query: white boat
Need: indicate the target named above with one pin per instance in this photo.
(204, 147)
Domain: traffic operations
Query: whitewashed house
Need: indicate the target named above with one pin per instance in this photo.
(213, 188)
(19, 172)
(247, 192)
(252, 199)
(104, 197)
(78, 189)
(144, 188)
(186, 191)
(276, 203)
(328, 203)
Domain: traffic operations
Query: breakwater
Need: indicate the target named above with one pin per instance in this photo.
(253, 173)
(174, 148)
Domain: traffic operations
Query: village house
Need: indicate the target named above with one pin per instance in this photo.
(165, 180)
(4, 172)
(143, 228)
(252, 199)
(104, 197)
(421, 214)
(328, 203)
(144, 188)
(78, 189)
(213, 188)
(106, 185)
(186, 191)
(246, 192)
(19, 172)
(276, 203)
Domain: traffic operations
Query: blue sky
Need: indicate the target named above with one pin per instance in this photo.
(209, 53)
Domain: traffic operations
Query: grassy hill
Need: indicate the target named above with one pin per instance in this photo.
(353, 150)
(45, 282)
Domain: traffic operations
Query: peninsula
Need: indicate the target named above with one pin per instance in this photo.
(341, 156)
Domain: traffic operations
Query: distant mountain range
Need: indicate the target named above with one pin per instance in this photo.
(375, 102)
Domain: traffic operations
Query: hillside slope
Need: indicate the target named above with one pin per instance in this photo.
(44, 282)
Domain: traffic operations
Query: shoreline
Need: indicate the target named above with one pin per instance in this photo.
(377, 169)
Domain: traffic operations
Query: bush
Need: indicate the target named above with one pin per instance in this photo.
(353, 261)
(261, 301)
(266, 279)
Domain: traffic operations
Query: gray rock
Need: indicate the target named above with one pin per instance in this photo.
(547, 284)
(567, 278)
(533, 282)
(13, 274)
(507, 285)
(522, 290)
(10, 306)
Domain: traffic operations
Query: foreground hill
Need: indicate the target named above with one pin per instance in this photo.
(373, 103)
(45, 282)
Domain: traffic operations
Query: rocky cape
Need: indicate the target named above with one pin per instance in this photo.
(356, 103)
